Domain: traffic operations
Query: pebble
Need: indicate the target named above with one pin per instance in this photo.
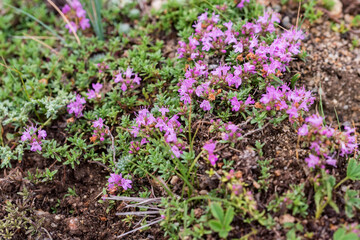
(336, 11)
(287, 218)
(203, 192)
(73, 224)
(174, 180)
(286, 22)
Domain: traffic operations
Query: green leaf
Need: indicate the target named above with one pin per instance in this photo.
(229, 216)
(217, 211)
(215, 225)
(341, 234)
(294, 79)
(223, 233)
(334, 206)
(353, 170)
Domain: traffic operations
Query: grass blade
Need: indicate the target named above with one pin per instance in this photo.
(38, 21)
(94, 12)
(66, 20)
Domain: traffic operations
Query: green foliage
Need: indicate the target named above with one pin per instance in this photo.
(265, 174)
(353, 170)
(323, 187)
(293, 229)
(343, 233)
(356, 21)
(21, 217)
(294, 200)
(222, 221)
(94, 8)
(352, 202)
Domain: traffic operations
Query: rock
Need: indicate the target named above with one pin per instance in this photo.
(287, 218)
(286, 22)
(203, 192)
(256, 185)
(277, 173)
(156, 4)
(174, 180)
(336, 11)
(73, 225)
(277, 8)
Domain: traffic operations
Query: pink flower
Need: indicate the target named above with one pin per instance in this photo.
(315, 120)
(35, 146)
(42, 134)
(126, 184)
(205, 105)
(303, 131)
(99, 123)
(312, 161)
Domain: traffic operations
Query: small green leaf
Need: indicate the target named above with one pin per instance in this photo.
(215, 225)
(217, 211)
(334, 206)
(229, 216)
(353, 170)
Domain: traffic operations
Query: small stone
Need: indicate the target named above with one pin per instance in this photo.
(286, 22)
(174, 180)
(256, 185)
(277, 173)
(73, 224)
(53, 225)
(57, 217)
(277, 8)
(287, 218)
(203, 192)
(336, 11)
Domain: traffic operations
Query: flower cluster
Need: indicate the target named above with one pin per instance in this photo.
(242, 3)
(293, 102)
(95, 92)
(116, 180)
(34, 136)
(76, 14)
(255, 57)
(145, 123)
(326, 142)
(99, 131)
(209, 148)
(128, 80)
(229, 131)
(76, 107)
(102, 67)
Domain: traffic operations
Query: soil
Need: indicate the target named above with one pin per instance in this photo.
(331, 70)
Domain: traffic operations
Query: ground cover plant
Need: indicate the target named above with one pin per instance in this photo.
(182, 119)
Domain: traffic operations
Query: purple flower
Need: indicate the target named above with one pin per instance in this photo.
(97, 87)
(76, 106)
(315, 120)
(35, 146)
(114, 179)
(99, 123)
(125, 184)
(26, 136)
(312, 161)
(163, 111)
(303, 131)
(42, 134)
(205, 105)
(66, 9)
(210, 147)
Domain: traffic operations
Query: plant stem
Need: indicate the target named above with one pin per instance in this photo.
(341, 182)
(189, 122)
(321, 209)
